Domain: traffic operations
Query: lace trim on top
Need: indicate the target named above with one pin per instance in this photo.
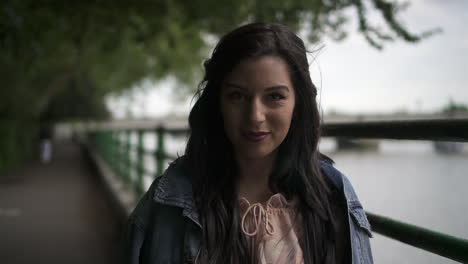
(272, 230)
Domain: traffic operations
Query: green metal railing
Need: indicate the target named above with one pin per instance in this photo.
(435, 242)
(116, 148)
(126, 158)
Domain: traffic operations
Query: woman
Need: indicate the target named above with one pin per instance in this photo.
(252, 186)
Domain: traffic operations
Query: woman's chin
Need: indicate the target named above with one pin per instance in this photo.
(254, 153)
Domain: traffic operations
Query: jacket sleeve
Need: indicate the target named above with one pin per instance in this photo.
(358, 225)
(135, 229)
(133, 241)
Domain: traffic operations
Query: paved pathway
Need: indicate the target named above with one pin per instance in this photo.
(57, 213)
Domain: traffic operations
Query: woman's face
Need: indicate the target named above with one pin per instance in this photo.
(257, 104)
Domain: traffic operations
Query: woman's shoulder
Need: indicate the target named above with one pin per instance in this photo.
(172, 188)
(331, 173)
(338, 179)
(175, 185)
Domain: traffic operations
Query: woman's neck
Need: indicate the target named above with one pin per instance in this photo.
(254, 177)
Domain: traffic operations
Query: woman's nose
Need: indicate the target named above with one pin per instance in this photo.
(256, 111)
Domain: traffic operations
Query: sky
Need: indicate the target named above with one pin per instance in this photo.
(353, 77)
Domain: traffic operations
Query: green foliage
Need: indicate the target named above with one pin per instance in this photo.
(453, 108)
(77, 102)
(17, 142)
(92, 49)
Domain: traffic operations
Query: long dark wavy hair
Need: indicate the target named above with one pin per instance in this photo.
(210, 159)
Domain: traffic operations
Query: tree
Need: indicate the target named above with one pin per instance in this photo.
(102, 47)
(452, 108)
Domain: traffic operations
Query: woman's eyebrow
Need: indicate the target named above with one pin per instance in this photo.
(277, 87)
(235, 86)
(269, 89)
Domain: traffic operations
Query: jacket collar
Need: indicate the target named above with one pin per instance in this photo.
(175, 189)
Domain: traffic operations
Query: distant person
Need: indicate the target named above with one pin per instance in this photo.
(252, 186)
(45, 143)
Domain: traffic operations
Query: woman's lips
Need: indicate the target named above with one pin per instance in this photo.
(255, 136)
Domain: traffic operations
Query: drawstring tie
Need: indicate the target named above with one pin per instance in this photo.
(259, 213)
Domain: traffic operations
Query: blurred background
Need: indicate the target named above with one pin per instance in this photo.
(95, 96)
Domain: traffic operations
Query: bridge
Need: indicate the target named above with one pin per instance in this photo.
(353, 141)
(180, 122)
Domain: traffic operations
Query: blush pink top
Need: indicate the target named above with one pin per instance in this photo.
(273, 230)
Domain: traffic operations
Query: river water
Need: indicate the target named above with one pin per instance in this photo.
(409, 181)
(403, 180)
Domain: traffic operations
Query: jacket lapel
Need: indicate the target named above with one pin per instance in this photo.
(175, 189)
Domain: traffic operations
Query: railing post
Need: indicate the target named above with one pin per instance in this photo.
(128, 157)
(107, 145)
(116, 152)
(112, 148)
(140, 161)
(120, 146)
(97, 141)
(122, 155)
(100, 142)
(160, 151)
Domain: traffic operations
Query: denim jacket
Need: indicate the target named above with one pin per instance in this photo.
(165, 226)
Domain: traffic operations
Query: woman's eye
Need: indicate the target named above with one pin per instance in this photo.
(235, 96)
(277, 96)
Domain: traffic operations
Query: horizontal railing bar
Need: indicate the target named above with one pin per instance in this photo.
(143, 170)
(177, 131)
(148, 152)
(173, 131)
(441, 244)
(134, 147)
(134, 164)
(432, 129)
